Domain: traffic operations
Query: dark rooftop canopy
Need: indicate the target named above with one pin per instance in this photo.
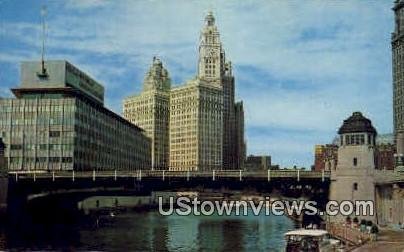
(357, 123)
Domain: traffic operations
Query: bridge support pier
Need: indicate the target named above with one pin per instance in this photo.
(3, 194)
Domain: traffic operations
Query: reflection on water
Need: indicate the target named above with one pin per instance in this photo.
(149, 231)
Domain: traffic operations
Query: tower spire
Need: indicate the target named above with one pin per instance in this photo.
(210, 19)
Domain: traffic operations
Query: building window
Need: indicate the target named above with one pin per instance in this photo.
(355, 161)
(67, 159)
(54, 159)
(16, 147)
(54, 133)
(357, 139)
(355, 186)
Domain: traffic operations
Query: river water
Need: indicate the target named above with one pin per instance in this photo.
(150, 231)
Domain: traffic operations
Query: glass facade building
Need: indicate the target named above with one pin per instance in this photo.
(65, 128)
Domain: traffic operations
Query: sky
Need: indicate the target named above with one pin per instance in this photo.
(301, 67)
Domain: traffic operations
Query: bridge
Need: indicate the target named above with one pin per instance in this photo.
(214, 175)
(381, 176)
(20, 187)
(69, 187)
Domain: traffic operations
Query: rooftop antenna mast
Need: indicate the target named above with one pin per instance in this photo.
(43, 73)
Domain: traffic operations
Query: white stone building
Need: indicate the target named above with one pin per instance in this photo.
(196, 129)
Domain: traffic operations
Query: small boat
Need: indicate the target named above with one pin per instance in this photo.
(310, 240)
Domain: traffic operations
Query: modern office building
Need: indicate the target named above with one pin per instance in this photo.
(150, 111)
(204, 123)
(58, 122)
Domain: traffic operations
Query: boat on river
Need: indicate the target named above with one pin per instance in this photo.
(310, 240)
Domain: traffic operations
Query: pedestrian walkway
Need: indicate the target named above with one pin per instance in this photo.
(387, 240)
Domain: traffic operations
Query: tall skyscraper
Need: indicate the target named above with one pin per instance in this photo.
(241, 150)
(150, 111)
(397, 42)
(211, 64)
(198, 118)
(196, 126)
(213, 67)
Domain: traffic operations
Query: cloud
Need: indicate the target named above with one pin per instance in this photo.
(86, 4)
(299, 66)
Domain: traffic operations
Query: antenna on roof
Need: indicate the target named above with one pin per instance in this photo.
(43, 73)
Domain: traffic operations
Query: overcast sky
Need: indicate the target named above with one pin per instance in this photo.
(301, 67)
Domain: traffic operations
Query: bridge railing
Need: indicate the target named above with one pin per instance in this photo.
(139, 174)
(348, 234)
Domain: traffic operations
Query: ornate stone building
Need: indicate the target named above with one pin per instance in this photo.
(199, 123)
(397, 42)
(150, 111)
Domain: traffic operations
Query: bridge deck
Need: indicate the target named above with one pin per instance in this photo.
(380, 176)
(215, 174)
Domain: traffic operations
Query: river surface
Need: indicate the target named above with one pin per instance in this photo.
(150, 231)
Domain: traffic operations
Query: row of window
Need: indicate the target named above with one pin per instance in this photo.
(57, 147)
(358, 139)
(17, 160)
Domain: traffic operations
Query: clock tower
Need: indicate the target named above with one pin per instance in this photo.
(211, 61)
